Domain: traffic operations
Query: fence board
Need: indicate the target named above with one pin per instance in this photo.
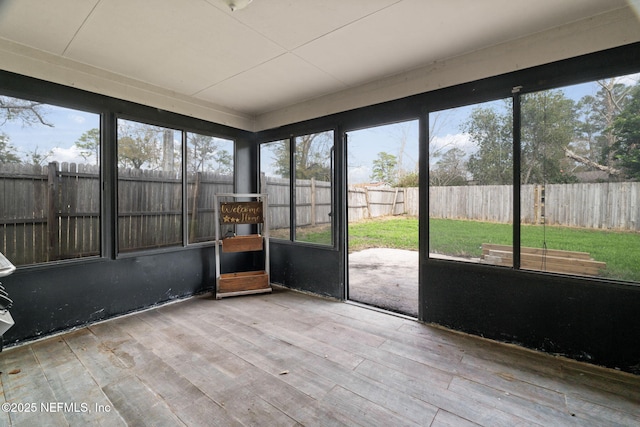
(202, 187)
(277, 190)
(608, 205)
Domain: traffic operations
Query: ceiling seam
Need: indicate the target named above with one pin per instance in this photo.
(346, 84)
(347, 24)
(292, 51)
(238, 74)
(80, 27)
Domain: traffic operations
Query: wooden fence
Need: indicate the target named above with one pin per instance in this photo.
(608, 205)
(279, 199)
(591, 205)
(491, 203)
(49, 213)
(313, 202)
(52, 212)
(150, 207)
(201, 187)
(371, 202)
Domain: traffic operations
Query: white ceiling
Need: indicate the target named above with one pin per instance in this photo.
(275, 53)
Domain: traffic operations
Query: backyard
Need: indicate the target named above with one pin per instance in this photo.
(463, 238)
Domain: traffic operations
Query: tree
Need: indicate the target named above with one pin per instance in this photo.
(548, 124)
(28, 112)
(437, 121)
(588, 128)
(224, 159)
(610, 170)
(15, 109)
(7, 151)
(595, 139)
(204, 154)
(492, 163)
(450, 169)
(401, 132)
(312, 157)
(626, 128)
(282, 154)
(612, 99)
(410, 179)
(38, 158)
(385, 168)
(89, 144)
(547, 133)
(139, 145)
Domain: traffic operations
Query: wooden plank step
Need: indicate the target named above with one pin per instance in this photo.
(487, 247)
(548, 263)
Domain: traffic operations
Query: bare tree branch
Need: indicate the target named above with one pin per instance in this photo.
(610, 170)
(29, 112)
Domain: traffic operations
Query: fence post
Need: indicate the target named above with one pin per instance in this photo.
(313, 201)
(52, 210)
(393, 205)
(366, 200)
(194, 208)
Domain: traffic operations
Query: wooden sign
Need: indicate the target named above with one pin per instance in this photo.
(241, 213)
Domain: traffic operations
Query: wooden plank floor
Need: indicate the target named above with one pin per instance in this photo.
(286, 359)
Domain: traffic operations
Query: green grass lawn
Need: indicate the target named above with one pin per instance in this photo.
(397, 233)
(620, 250)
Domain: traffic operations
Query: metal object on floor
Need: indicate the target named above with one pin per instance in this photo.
(6, 321)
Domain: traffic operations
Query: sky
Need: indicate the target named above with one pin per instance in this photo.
(445, 132)
(362, 148)
(68, 127)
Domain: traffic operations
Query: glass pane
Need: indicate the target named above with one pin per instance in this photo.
(314, 172)
(49, 182)
(580, 170)
(383, 182)
(210, 171)
(149, 186)
(275, 180)
(382, 211)
(471, 181)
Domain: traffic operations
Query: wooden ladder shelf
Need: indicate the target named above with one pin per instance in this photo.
(235, 212)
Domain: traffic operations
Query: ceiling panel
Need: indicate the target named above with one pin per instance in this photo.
(47, 25)
(274, 84)
(413, 33)
(274, 53)
(294, 23)
(164, 43)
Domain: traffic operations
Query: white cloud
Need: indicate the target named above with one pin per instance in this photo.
(630, 80)
(76, 118)
(359, 175)
(442, 144)
(70, 155)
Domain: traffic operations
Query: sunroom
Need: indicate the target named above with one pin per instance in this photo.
(504, 135)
